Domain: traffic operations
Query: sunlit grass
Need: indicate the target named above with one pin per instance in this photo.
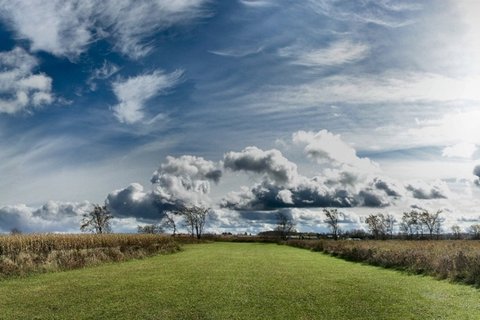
(457, 260)
(236, 281)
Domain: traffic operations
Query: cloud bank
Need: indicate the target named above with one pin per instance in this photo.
(276, 185)
(51, 217)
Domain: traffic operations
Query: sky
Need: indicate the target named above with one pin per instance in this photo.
(248, 107)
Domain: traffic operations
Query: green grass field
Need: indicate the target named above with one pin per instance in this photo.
(236, 281)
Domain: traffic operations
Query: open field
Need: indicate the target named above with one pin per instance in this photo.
(25, 254)
(236, 281)
(456, 260)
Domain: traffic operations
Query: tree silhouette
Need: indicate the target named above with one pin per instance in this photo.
(97, 220)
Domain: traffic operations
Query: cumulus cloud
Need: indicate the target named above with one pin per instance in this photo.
(283, 187)
(178, 182)
(423, 190)
(326, 147)
(133, 200)
(51, 217)
(476, 172)
(390, 187)
(185, 180)
(270, 163)
(67, 28)
(194, 167)
(134, 92)
(20, 87)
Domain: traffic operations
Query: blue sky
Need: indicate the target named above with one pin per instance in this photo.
(298, 104)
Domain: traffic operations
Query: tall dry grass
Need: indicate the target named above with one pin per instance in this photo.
(25, 254)
(457, 260)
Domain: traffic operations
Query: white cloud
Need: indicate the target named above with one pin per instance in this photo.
(107, 70)
(382, 13)
(66, 28)
(58, 27)
(421, 190)
(283, 187)
(20, 88)
(459, 128)
(133, 93)
(257, 3)
(389, 87)
(185, 180)
(338, 53)
(132, 22)
(326, 147)
(460, 150)
(271, 163)
(285, 196)
(178, 182)
(191, 166)
(51, 217)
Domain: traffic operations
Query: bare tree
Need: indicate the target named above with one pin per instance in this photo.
(97, 220)
(195, 219)
(474, 230)
(456, 231)
(377, 225)
(285, 225)
(333, 221)
(150, 229)
(169, 223)
(390, 225)
(411, 224)
(432, 221)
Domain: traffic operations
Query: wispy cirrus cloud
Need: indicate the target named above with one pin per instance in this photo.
(384, 13)
(256, 3)
(389, 87)
(134, 92)
(67, 28)
(104, 72)
(337, 53)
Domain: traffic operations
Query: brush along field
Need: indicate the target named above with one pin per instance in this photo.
(236, 281)
(26, 254)
(455, 260)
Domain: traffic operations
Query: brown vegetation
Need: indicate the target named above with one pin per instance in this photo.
(447, 259)
(24, 254)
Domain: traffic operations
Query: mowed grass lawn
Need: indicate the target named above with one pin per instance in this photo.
(236, 281)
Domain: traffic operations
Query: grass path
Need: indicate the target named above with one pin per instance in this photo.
(236, 281)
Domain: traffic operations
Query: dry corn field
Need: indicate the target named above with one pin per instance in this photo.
(456, 260)
(25, 254)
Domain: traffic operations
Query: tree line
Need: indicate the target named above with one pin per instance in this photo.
(193, 218)
(414, 224)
